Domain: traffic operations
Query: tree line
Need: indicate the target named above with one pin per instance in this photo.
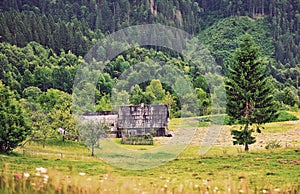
(77, 25)
(40, 67)
(42, 44)
(37, 113)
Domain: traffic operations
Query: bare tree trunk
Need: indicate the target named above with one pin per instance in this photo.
(246, 147)
(93, 150)
(246, 127)
(262, 7)
(245, 143)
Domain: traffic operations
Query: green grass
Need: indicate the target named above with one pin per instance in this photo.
(286, 116)
(220, 169)
(225, 119)
(277, 127)
(179, 123)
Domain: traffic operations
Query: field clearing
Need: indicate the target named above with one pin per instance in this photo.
(223, 169)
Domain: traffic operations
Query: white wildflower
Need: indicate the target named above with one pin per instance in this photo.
(41, 170)
(26, 175)
(82, 174)
(216, 189)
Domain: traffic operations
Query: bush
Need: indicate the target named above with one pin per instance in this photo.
(138, 140)
(226, 120)
(285, 116)
(273, 144)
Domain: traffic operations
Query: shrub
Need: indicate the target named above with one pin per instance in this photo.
(285, 116)
(273, 144)
(138, 140)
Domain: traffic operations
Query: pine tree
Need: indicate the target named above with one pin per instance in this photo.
(249, 92)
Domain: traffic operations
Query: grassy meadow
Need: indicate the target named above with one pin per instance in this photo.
(67, 167)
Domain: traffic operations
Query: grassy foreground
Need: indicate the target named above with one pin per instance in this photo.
(67, 167)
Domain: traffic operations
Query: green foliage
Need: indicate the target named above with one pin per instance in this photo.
(14, 127)
(91, 131)
(285, 116)
(77, 25)
(138, 140)
(243, 137)
(104, 104)
(249, 91)
(223, 36)
(273, 144)
(155, 90)
(37, 66)
(287, 96)
(41, 127)
(46, 112)
(31, 93)
(54, 98)
(138, 96)
(74, 26)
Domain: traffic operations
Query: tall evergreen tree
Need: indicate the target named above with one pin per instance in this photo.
(249, 92)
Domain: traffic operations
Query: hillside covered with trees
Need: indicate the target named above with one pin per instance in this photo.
(42, 44)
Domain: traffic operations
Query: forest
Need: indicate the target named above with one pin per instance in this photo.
(44, 42)
(232, 92)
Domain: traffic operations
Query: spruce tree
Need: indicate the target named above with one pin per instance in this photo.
(249, 92)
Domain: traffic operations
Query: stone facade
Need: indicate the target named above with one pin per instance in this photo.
(143, 119)
(135, 120)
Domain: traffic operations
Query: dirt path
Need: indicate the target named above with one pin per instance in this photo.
(287, 139)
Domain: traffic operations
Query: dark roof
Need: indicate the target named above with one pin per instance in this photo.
(100, 113)
(143, 116)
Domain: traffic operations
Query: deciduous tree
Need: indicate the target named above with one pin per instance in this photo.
(91, 132)
(14, 128)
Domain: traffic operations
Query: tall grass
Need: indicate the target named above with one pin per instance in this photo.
(224, 169)
(221, 170)
(56, 182)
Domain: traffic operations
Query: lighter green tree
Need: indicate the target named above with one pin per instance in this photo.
(91, 132)
(156, 90)
(14, 128)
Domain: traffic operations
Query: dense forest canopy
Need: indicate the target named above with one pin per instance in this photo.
(76, 25)
(44, 42)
